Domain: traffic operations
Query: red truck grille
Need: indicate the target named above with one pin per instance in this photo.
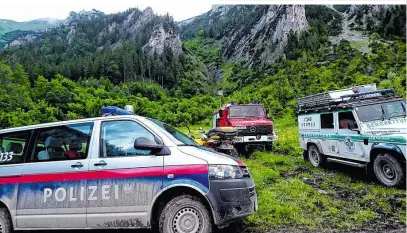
(255, 130)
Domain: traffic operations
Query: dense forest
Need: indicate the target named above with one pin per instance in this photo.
(57, 77)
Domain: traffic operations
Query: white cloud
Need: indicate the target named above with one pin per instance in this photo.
(23, 10)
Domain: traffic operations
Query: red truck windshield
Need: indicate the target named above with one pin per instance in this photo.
(246, 111)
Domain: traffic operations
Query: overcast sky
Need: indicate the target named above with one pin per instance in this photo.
(24, 10)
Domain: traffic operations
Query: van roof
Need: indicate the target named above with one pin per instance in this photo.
(59, 123)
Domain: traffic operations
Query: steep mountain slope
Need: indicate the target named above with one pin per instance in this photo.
(130, 46)
(258, 33)
(11, 30)
(253, 35)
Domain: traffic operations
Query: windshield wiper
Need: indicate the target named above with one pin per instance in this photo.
(383, 113)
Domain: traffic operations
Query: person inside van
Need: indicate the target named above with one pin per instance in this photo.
(345, 119)
(74, 150)
(53, 149)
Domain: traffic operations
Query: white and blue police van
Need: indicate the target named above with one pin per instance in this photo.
(360, 126)
(117, 171)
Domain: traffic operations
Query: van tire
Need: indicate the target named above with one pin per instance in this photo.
(182, 212)
(388, 170)
(315, 156)
(5, 221)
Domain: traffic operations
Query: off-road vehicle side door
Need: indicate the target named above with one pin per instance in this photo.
(350, 141)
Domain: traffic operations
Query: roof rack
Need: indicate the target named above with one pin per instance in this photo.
(342, 98)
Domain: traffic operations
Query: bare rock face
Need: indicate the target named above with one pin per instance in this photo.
(221, 9)
(366, 16)
(71, 35)
(267, 38)
(155, 33)
(161, 39)
(87, 15)
(21, 40)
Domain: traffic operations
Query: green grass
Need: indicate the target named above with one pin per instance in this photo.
(293, 195)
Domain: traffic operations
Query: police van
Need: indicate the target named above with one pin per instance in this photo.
(359, 126)
(117, 171)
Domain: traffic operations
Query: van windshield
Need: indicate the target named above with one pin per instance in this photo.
(246, 111)
(382, 111)
(175, 133)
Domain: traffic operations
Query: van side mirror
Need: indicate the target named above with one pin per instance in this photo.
(143, 143)
(268, 116)
(220, 113)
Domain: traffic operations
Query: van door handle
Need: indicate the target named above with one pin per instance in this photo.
(77, 165)
(101, 163)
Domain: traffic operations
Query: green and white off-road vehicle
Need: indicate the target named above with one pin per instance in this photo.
(358, 126)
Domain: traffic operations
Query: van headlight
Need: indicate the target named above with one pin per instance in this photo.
(220, 172)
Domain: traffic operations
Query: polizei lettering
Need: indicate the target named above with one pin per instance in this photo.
(61, 194)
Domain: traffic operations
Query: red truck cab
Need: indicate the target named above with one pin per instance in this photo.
(255, 128)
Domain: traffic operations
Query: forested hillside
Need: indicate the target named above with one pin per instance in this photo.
(172, 71)
(11, 30)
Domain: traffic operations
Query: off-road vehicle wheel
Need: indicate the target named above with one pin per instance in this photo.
(5, 221)
(185, 214)
(315, 157)
(388, 170)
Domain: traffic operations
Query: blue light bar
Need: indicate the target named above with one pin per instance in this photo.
(233, 102)
(113, 111)
(255, 102)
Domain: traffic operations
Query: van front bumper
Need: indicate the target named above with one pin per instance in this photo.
(232, 200)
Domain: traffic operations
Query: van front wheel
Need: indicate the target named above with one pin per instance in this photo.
(315, 157)
(5, 221)
(185, 214)
(388, 170)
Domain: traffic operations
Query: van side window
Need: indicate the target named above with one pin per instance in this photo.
(327, 121)
(68, 142)
(117, 139)
(13, 147)
(346, 118)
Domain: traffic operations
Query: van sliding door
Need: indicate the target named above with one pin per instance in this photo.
(53, 194)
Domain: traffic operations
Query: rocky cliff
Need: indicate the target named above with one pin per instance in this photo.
(74, 17)
(248, 33)
(258, 34)
(153, 33)
(265, 40)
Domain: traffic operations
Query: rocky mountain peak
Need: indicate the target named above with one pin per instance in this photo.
(220, 9)
(82, 15)
(148, 12)
(162, 39)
